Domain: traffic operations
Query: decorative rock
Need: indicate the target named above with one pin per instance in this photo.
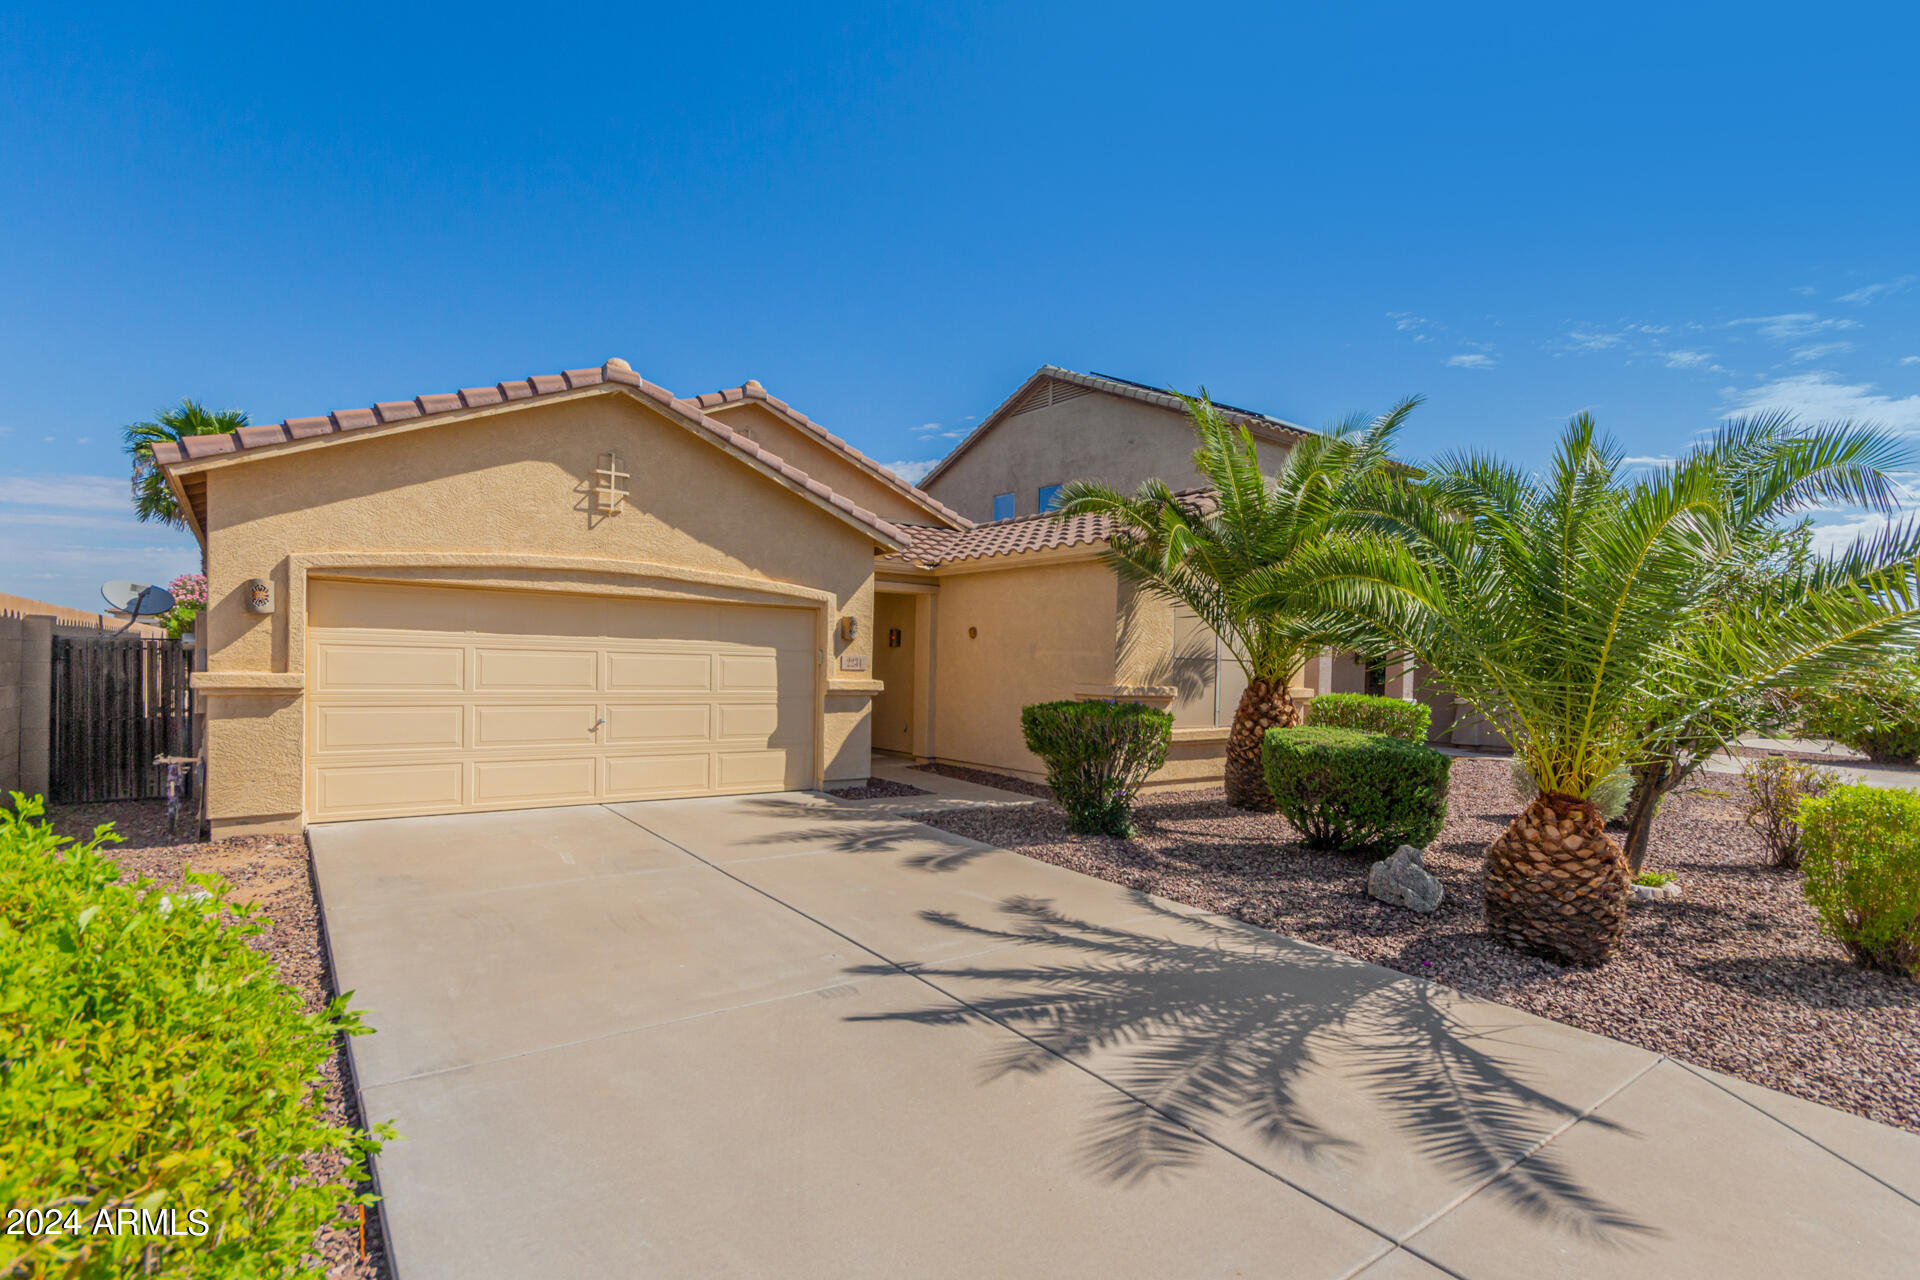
(1655, 892)
(1404, 881)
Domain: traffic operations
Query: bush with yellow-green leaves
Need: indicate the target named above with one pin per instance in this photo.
(159, 1084)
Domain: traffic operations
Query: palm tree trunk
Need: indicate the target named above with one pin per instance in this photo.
(1265, 705)
(1557, 884)
(1651, 782)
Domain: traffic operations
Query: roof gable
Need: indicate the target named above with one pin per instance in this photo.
(615, 377)
(730, 401)
(1051, 385)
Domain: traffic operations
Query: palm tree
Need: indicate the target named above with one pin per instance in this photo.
(1579, 612)
(1754, 642)
(152, 499)
(1197, 549)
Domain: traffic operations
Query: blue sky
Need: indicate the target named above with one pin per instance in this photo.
(890, 216)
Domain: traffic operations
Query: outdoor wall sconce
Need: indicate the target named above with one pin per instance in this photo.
(849, 628)
(259, 595)
(973, 633)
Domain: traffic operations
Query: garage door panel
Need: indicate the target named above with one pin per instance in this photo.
(518, 725)
(551, 781)
(640, 671)
(347, 668)
(644, 777)
(535, 670)
(755, 770)
(428, 700)
(376, 728)
(639, 722)
(392, 787)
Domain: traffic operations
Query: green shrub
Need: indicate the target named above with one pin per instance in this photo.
(1878, 713)
(1775, 786)
(152, 1062)
(1098, 754)
(1366, 792)
(1862, 870)
(1395, 717)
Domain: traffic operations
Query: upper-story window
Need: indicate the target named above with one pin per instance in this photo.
(1050, 496)
(1003, 506)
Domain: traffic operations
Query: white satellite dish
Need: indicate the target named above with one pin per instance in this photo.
(135, 600)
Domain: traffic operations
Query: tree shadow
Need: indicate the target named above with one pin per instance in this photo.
(1223, 1026)
(859, 831)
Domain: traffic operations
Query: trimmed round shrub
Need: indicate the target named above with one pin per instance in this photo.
(1362, 792)
(1098, 754)
(1862, 866)
(156, 1071)
(1395, 717)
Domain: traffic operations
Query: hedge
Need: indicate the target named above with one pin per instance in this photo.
(153, 1063)
(1097, 755)
(1366, 713)
(1861, 860)
(1362, 792)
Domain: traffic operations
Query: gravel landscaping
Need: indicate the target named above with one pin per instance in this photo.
(272, 871)
(987, 778)
(1734, 975)
(876, 789)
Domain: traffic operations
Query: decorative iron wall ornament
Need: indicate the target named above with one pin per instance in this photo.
(610, 485)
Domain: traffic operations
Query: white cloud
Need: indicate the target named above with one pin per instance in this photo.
(92, 493)
(1648, 460)
(1405, 320)
(1690, 360)
(1804, 290)
(1910, 359)
(1470, 360)
(912, 472)
(937, 431)
(1819, 396)
(1839, 534)
(1886, 288)
(1591, 340)
(1820, 351)
(1795, 325)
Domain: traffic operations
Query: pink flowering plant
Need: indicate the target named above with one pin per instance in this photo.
(189, 598)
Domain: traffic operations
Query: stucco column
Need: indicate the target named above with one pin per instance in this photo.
(924, 607)
(1323, 673)
(36, 705)
(1400, 682)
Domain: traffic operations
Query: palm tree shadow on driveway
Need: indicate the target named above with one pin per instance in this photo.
(1220, 1026)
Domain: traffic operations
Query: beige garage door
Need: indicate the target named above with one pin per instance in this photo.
(441, 700)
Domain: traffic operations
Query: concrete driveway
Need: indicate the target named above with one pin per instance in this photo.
(787, 1036)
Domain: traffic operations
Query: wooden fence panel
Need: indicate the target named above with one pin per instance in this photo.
(117, 703)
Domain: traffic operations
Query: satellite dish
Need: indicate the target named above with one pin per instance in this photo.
(135, 600)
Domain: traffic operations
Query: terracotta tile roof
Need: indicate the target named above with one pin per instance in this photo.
(931, 547)
(1261, 424)
(754, 391)
(615, 371)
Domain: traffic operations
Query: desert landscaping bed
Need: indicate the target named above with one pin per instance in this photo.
(271, 871)
(1734, 975)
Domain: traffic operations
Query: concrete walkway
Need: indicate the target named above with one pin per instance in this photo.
(783, 1036)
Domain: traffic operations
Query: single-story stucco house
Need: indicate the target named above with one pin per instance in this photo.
(580, 587)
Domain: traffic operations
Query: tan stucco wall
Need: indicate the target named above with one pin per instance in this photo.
(1043, 633)
(821, 461)
(1096, 436)
(487, 491)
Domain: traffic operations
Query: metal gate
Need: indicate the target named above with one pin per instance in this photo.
(118, 702)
